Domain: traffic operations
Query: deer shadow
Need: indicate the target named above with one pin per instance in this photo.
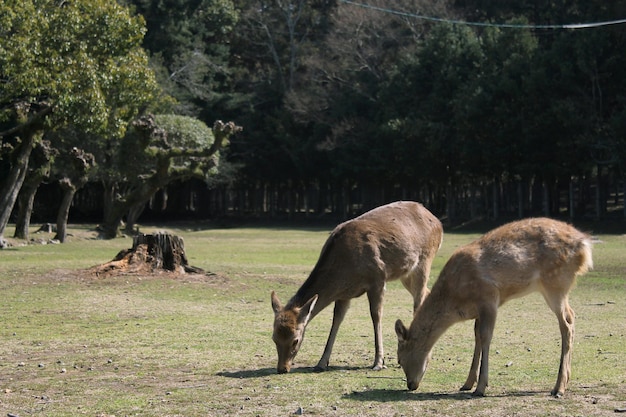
(248, 373)
(389, 395)
(263, 372)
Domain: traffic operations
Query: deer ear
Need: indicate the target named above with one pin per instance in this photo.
(276, 306)
(307, 309)
(401, 331)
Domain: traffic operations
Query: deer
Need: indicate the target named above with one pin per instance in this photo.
(394, 241)
(511, 261)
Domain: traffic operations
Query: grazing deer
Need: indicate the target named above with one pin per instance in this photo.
(511, 261)
(395, 241)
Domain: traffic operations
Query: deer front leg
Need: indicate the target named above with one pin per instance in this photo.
(487, 322)
(341, 307)
(472, 377)
(375, 298)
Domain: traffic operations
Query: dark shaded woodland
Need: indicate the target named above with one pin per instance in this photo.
(345, 106)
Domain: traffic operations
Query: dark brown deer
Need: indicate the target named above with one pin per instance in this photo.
(511, 261)
(395, 241)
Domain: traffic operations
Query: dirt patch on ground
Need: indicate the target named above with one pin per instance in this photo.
(91, 274)
(95, 273)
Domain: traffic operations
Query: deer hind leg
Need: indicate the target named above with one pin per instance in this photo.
(486, 323)
(375, 298)
(341, 307)
(564, 313)
(472, 377)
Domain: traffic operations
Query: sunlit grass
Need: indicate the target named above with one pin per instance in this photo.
(75, 344)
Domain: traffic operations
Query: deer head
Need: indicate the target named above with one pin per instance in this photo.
(289, 325)
(412, 357)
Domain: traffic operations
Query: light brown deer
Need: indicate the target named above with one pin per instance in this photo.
(395, 241)
(511, 261)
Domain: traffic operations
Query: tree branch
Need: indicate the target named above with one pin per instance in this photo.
(31, 120)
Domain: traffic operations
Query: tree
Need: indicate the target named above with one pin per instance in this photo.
(74, 174)
(157, 151)
(423, 102)
(39, 166)
(269, 49)
(77, 62)
(188, 43)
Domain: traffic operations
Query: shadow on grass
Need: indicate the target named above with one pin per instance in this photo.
(387, 395)
(258, 373)
(248, 373)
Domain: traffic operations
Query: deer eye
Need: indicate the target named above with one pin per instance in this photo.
(294, 344)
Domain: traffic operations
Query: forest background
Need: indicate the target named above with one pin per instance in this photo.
(477, 108)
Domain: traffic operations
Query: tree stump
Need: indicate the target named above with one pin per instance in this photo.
(151, 253)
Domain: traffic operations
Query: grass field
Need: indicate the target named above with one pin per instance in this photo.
(73, 344)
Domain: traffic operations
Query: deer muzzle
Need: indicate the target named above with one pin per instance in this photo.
(412, 385)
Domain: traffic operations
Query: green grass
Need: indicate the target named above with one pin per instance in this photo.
(75, 344)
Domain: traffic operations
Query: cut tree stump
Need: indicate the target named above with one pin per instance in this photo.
(151, 253)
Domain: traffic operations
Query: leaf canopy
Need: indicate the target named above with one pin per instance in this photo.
(82, 58)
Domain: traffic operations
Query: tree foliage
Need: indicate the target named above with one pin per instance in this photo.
(188, 41)
(384, 100)
(334, 97)
(77, 58)
(77, 62)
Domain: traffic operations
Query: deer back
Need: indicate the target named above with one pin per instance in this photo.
(537, 254)
(383, 244)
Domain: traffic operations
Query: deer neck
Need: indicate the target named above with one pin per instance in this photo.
(310, 288)
(431, 321)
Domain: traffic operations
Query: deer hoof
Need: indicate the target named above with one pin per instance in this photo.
(478, 393)
(557, 394)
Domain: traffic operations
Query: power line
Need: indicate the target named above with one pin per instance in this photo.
(496, 25)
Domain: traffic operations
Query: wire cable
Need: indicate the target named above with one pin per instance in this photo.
(483, 24)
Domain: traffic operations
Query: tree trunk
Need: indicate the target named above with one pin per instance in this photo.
(520, 199)
(545, 200)
(13, 182)
(119, 208)
(76, 176)
(624, 194)
(64, 212)
(112, 218)
(496, 199)
(25, 201)
(132, 216)
(571, 198)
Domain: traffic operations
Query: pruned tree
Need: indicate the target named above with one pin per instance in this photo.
(157, 151)
(77, 62)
